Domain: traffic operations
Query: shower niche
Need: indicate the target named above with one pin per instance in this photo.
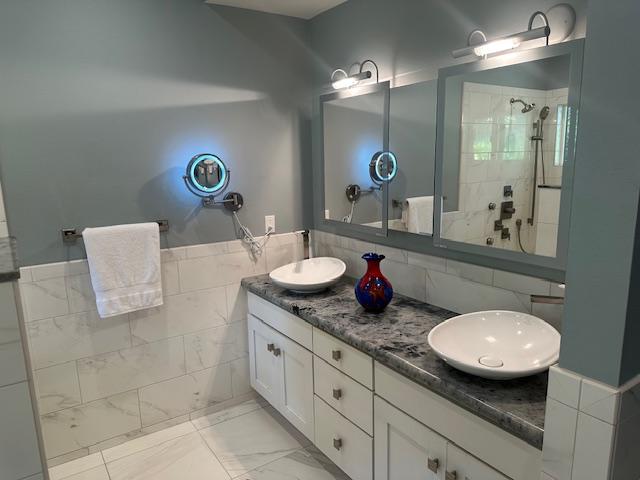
(505, 153)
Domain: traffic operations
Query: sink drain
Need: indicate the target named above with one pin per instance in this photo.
(489, 361)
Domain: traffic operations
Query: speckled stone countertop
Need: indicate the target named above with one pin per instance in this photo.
(397, 339)
(9, 270)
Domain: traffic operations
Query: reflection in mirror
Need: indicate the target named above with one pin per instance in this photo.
(503, 155)
(412, 137)
(354, 133)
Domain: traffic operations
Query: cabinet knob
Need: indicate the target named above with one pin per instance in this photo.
(337, 444)
(336, 355)
(337, 393)
(270, 347)
(453, 475)
(277, 352)
(433, 464)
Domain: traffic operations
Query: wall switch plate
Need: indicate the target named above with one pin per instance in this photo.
(270, 223)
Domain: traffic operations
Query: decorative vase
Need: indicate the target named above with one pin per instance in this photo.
(373, 290)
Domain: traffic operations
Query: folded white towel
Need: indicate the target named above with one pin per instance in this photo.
(418, 214)
(124, 261)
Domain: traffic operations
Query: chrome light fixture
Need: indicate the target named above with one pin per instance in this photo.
(341, 79)
(509, 42)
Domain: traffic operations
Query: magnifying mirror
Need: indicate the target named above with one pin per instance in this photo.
(383, 167)
(206, 175)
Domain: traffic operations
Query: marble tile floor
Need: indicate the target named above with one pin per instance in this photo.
(248, 441)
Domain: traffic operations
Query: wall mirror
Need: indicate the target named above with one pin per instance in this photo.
(412, 138)
(505, 154)
(357, 163)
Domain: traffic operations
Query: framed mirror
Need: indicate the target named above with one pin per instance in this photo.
(412, 139)
(505, 154)
(357, 163)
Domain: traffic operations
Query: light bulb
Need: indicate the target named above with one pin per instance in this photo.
(496, 46)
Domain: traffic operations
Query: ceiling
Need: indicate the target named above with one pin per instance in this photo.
(294, 8)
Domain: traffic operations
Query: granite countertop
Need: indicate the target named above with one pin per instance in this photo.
(397, 338)
(9, 270)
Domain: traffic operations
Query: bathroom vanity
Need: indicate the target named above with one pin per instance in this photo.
(368, 391)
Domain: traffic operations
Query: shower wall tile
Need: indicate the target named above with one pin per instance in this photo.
(185, 394)
(71, 337)
(132, 368)
(74, 428)
(45, 299)
(186, 355)
(240, 380)
(215, 346)
(236, 303)
(80, 293)
(57, 387)
(218, 270)
(180, 314)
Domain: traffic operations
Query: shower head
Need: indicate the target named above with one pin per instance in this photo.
(527, 107)
(544, 113)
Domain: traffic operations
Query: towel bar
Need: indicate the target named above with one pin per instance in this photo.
(70, 235)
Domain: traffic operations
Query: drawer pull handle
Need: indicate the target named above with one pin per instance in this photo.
(270, 347)
(336, 355)
(277, 351)
(337, 393)
(337, 444)
(433, 464)
(451, 475)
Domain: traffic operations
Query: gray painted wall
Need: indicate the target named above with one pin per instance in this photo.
(601, 337)
(108, 100)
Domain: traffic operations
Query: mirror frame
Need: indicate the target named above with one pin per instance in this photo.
(348, 93)
(575, 51)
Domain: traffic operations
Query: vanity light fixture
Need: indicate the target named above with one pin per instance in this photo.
(509, 42)
(341, 79)
(207, 176)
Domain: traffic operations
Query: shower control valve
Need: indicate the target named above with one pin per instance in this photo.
(507, 191)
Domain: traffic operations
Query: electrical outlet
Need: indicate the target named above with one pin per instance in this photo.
(270, 223)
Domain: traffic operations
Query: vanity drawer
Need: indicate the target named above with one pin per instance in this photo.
(345, 444)
(286, 323)
(345, 358)
(344, 394)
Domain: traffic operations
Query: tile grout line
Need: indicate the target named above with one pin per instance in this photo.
(229, 362)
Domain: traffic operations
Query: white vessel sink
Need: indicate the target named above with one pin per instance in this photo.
(496, 344)
(309, 276)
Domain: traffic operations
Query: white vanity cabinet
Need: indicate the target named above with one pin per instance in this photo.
(406, 449)
(369, 420)
(282, 372)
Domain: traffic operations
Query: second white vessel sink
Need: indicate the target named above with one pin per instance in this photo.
(309, 276)
(496, 344)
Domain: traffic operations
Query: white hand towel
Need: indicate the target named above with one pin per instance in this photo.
(419, 214)
(124, 261)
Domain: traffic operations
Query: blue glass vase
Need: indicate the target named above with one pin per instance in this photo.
(373, 290)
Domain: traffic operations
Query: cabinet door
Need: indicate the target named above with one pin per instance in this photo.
(297, 386)
(463, 466)
(265, 367)
(404, 448)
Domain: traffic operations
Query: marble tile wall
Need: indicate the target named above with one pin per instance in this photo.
(592, 431)
(457, 286)
(496, 150)
(103, 381)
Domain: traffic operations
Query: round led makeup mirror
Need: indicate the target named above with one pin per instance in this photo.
(206, 175)
(383, 167)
